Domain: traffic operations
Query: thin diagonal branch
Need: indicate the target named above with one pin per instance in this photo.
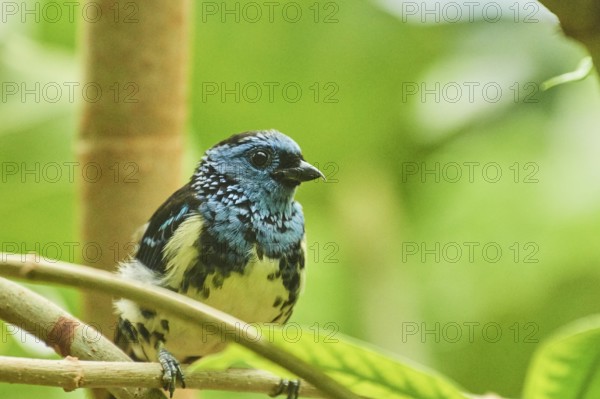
(184, 308)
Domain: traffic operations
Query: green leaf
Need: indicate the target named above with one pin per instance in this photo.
(583, 70)
(568, 366)
(365, 370)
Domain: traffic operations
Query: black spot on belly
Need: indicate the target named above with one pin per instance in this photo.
(294, 281)
(217, 280)
(147, 313)
(284, 316)
(127, 331)
(143, 331)
(278, 301)
(259, 252)
(165, 325)
(290, 266)
(287, 314)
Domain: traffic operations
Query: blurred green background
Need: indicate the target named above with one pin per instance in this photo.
(458, 226)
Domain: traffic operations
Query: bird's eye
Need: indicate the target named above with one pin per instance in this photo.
(260, 158)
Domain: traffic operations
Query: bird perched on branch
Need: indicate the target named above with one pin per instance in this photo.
(232, 237)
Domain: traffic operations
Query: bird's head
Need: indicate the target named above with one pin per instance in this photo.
(264, 164)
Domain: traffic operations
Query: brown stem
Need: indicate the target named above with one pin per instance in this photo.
(71, 374)
(131, 133)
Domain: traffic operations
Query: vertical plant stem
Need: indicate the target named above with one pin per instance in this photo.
(131, 133)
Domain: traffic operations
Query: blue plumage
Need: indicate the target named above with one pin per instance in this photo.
(232, 237)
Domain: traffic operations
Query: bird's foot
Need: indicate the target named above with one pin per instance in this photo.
(171, 370)
(289, 387)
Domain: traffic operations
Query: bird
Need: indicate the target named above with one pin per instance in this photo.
(233, 237)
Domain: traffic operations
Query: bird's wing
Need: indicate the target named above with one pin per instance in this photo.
(162, 225)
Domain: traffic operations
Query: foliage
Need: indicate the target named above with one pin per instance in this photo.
(567, 365)
(366, 371)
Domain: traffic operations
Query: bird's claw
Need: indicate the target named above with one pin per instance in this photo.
(290, 387)
(171, 371)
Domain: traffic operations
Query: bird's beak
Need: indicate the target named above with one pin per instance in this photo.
(298, 174)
